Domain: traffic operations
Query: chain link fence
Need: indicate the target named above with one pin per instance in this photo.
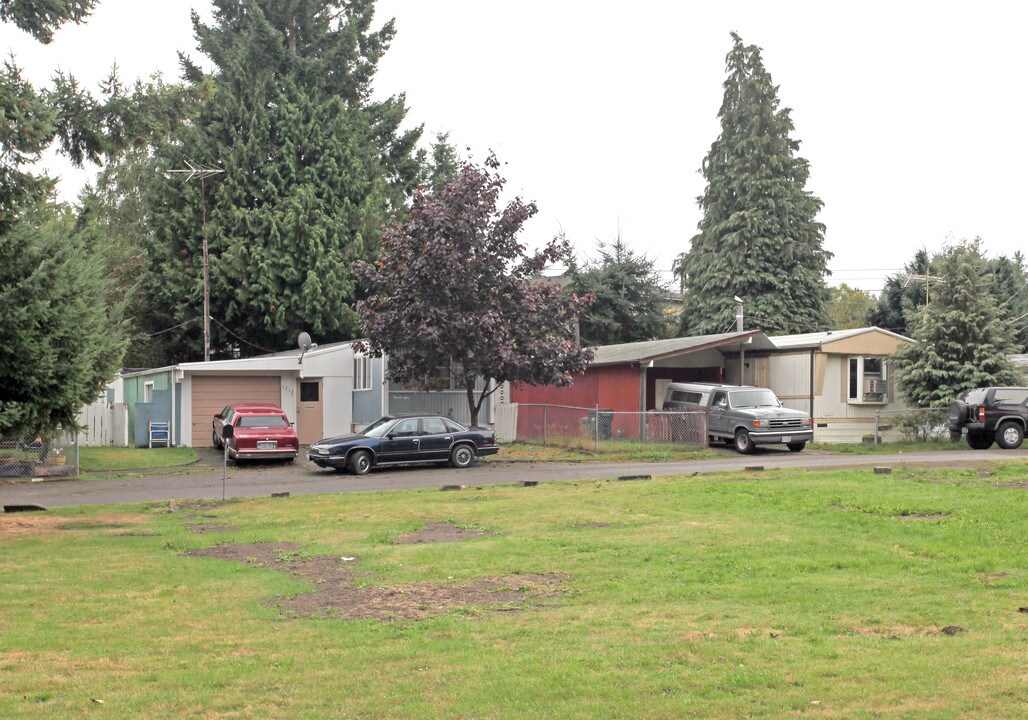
(603, 430)
(33, 458)
(917, 425)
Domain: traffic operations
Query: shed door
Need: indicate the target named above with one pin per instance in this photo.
(211, 393)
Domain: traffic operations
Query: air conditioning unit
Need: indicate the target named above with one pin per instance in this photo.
(875, 386)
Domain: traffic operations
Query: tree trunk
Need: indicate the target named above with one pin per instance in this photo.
(469, 388)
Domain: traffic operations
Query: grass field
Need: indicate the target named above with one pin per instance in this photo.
(779, 594)
(93, 459)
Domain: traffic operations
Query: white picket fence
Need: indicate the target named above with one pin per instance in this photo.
(105, 425)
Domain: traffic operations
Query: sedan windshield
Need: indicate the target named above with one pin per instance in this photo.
(753, 398)
(379, 428)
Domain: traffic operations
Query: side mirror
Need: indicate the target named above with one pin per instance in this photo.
(390, 436)
(228, 432)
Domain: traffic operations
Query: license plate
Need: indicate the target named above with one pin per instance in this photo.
(267, 444)
(786, 438)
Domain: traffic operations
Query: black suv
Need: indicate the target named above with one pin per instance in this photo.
(997, 414)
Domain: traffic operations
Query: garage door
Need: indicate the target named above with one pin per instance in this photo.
(211, 393)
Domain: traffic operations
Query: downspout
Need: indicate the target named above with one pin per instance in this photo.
(642, 399)
(812, 391)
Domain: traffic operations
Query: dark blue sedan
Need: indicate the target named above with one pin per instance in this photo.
(396, 439)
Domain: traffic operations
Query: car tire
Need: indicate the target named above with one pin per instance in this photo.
(796, 446)
(979, 440)
(462, 456)
(743, 443)
(216, 440)
(1009, 435)
(359, 463)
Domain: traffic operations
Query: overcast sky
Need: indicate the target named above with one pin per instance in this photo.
(911, 114)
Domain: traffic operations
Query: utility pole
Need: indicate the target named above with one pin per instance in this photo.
(202, 172)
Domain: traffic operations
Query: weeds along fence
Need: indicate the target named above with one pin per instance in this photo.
(38, 458)
(918, 425)
(597, 429)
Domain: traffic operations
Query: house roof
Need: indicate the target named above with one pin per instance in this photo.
(236, 363)
(819, 339)
(660, 349)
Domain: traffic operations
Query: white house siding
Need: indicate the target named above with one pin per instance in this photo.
(335, 368)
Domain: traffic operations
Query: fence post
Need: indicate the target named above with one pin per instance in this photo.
(878, 425)
(596, 429)
(544, 425)
(78, 466)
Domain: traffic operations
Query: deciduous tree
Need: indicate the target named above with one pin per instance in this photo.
(455, 288)
(850, 307)
(758, 238)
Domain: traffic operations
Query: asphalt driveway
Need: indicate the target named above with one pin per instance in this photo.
(205, 479)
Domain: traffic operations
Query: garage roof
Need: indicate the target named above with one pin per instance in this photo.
(643, 352)
(817, 339)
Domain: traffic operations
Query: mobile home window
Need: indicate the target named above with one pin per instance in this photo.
(867, 380)
(148, 392)
(362, 372)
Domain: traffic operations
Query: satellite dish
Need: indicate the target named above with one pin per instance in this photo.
(304, 341)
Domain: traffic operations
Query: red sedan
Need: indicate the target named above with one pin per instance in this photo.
(259, 432)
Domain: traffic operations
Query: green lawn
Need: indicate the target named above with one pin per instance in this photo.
(767, 595)
(93, 459)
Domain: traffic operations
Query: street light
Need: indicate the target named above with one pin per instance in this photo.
(202, 172)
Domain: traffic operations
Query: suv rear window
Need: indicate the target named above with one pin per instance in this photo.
(976, 397)
(1011, 396)
(685, 396)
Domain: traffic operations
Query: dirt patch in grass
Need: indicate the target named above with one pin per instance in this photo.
(895, 632)
(439, 532)
(201, 528)
(586, 526)
(1012, 485)
(931, 516)
(14, 525)
(336, 595)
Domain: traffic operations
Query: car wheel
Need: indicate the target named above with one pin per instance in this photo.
(743, 443)
(216, 440)
(462, 456)
(1010, 435)
(360, 462)
(796, 446)
(979, 440)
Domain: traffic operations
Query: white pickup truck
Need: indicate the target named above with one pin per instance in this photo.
(743, 415)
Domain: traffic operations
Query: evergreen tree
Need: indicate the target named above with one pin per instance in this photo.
(1010, 288)
(630, 302)
(963, 341)
(903, 294)
(445, 164)
(312, 168)
(60, 341)
(758, 238)
(40, 18)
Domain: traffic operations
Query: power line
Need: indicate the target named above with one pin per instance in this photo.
(198, 317)
(241, 339)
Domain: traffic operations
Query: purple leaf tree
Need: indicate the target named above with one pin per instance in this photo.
(454, 293)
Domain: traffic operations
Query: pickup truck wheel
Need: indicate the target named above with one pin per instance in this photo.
(979, 440)
(462, 456)
(1010, 435)
(360, 462)
(796, 446)
(743, 443)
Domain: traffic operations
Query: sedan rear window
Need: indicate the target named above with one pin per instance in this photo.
(262, 421)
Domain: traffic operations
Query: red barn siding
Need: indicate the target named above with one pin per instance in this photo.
(618, 388)
(582, 392)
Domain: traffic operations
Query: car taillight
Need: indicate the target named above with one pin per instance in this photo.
(981, 414)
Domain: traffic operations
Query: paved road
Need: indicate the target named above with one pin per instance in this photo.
(205, 479)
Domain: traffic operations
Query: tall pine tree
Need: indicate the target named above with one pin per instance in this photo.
(758, 238)
(963, 339)
(312, 169)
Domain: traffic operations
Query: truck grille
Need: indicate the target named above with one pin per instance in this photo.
(786, 423)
